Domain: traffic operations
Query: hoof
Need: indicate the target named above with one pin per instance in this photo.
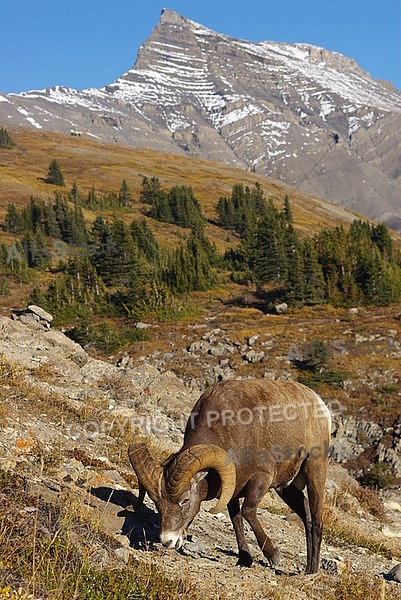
(244, 559)
(274, 559)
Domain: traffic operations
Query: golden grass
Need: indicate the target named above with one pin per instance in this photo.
(53, 554)
(90, 163)
(340, 530)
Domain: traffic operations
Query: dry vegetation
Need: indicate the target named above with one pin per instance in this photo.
(50, 549)
(104, 166)
(38, 546)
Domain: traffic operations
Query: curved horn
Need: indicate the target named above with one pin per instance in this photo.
(203, 456)
(147, 471)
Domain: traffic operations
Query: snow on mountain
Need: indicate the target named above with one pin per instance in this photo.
(274, 107)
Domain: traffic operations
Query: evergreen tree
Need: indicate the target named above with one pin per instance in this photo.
(314, 284)
(100, 229)
(144, 238)
(381, 237)
(188, 268)
(70, 222)
(92, 201)
(6, 140)
(288, 211)
(75, 196)
(13, 220)
(151, 190)
(337, 262)
(16, 262)
(54, 174)
(124, 195)
(35, 251)
(78, 285)
(241, 212)
(179, 206)
(121, 264)
(185, 208)
(50, 224)
(33, 214)
(266, 250)
(3, 256)
(161, 209)
(296, 280)
(80, 233)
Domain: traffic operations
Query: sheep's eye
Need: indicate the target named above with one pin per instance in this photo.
(184, 502)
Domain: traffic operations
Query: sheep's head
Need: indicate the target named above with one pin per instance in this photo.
(175, 486)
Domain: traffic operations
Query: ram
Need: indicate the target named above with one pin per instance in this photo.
(242, 438)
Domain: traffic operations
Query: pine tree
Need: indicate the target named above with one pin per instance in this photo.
(38, 256)
(314, 285)
(295, 289)
(121, 263)
(75, 196)
(185, 208)
(267, 252)
(151, 190)
(13, 220)
(124, 195)
(6, 141)
(381, 237)
(50, 225)
(16, 263)
(54, 175)
(188, 268)
(288, 211)
(242, 211)
(144, 238)
(78, 285)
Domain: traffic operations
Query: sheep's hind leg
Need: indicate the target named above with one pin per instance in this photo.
(254, 492)
(298, 502)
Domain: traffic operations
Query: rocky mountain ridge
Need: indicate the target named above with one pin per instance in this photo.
(299, 113)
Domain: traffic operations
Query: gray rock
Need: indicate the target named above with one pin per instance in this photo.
(123, 554)
(193, 546)
(252, 340)
(282, 308)
(140, 325)
(40, 312)
(123, 361)
(394, 574)
(330, 565)
(196, 346)
(253, 357)
(221, 349)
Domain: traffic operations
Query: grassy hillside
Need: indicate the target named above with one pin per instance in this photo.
(104, 166)
(90, 164)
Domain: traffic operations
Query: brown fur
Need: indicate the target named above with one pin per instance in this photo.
(250, 420)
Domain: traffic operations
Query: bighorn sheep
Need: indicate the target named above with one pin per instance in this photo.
(242, 438)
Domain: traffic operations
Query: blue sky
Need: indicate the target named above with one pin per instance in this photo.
(88, 43)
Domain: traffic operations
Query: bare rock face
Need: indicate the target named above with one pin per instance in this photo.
(282, 110)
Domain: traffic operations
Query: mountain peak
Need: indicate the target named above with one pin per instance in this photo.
(170, 16)
(271, 107)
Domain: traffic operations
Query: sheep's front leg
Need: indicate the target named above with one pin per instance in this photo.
(244, 555)
(255, 490)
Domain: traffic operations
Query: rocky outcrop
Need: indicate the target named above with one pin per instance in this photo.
(65, 423)
(360, 444)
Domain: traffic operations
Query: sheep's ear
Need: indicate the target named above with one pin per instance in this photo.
(199, 476)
